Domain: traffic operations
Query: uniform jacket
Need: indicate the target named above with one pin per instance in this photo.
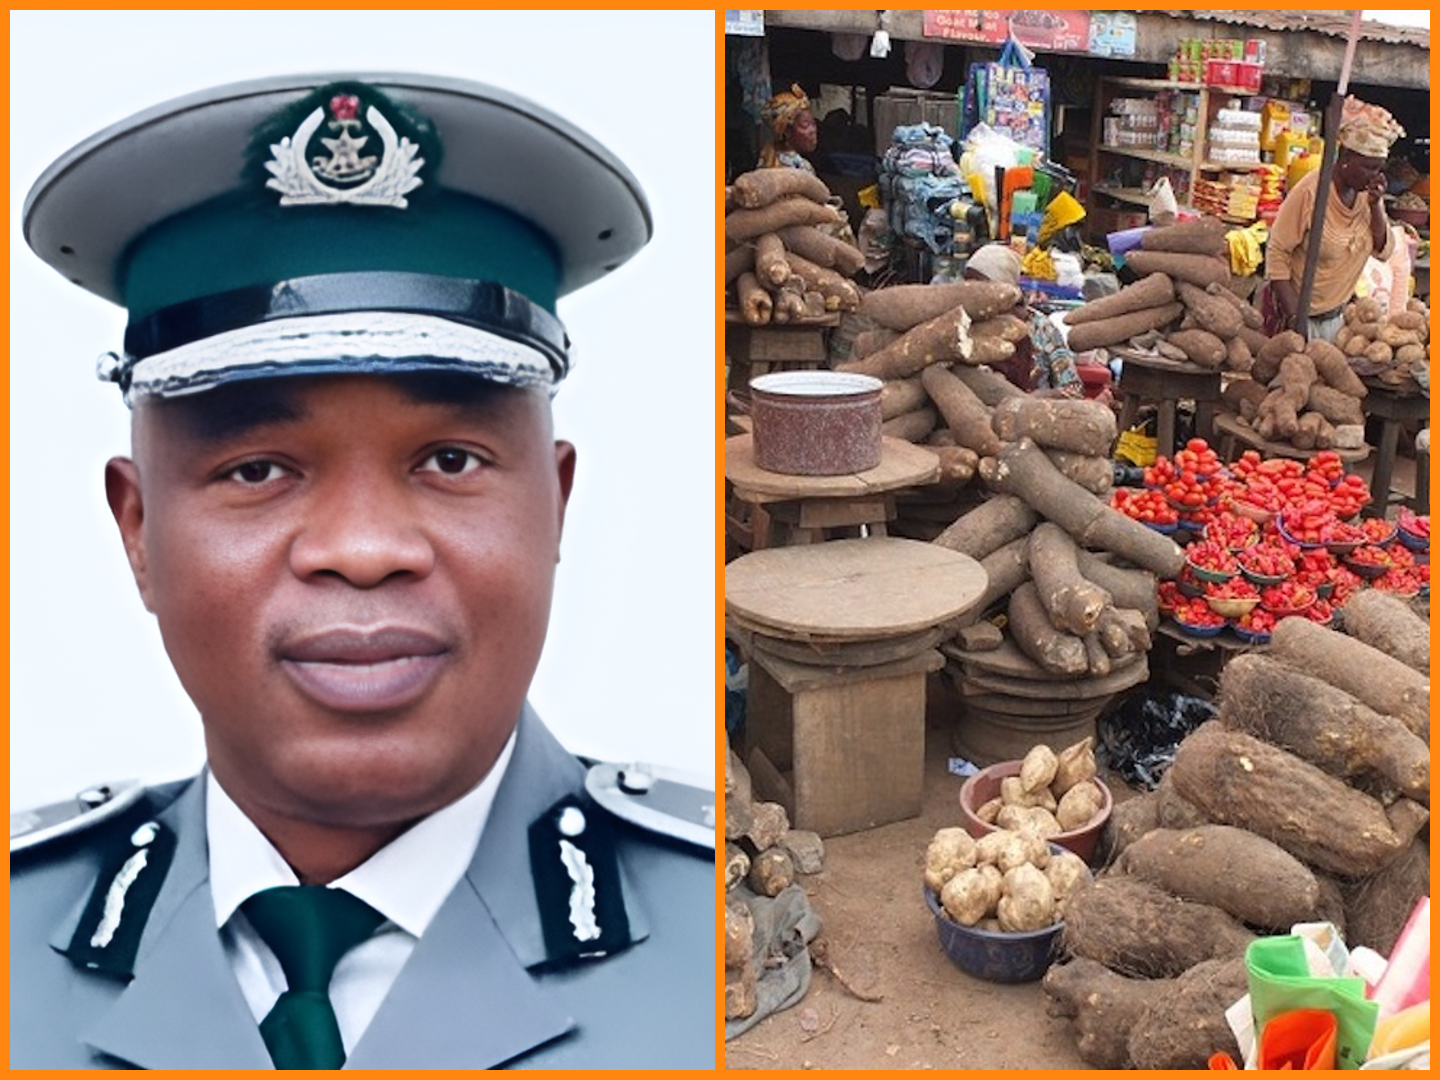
(476, 993)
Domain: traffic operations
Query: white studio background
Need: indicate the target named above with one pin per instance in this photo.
(630, 665)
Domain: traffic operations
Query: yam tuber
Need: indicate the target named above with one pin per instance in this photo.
(770, 265)
(827, 282)
(1022, 469)
(755, 302)
(1268, 357)
(1249, 877)
(1153, 291)
(1200, 347)
(1332, 367)
(990, 386)
(1121, 328)
(743, 225)
(913, 426)
(957, 464)
(1249, 314)
(1211, 313)
(1072, 602)
(1078, 425)
(1102, 1007)
(1203, 236)
(1129, 588)
(1185, 1024)
(1387, 623)
(1237, 779)
(764, 186)
(823, 249)
(1201, 270)
(1135, 928)
(991, 525)
(869, 342)
(1054, 650)
(737, 261)
(965, 414)
(899, 396)
(1382, 682)
(1094, 473)
(945, 337)
(902, 307)
(1335, 405)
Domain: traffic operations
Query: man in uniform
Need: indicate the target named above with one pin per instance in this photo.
(343, 506)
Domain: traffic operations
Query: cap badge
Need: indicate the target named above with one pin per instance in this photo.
(345, 173)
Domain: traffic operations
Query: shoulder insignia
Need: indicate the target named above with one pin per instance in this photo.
(91, 807)
(577, 883)
(132, 870)
(671, 802)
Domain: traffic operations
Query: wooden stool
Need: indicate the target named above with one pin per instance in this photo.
(846, 734)
(1393, 410)
(1145, 378)
(758, 350)
(785, 509)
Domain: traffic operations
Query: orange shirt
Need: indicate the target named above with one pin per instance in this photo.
(1346, 246)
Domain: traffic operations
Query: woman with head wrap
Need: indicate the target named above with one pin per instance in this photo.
(1355, 227)
(1043, 364)
(793, 131)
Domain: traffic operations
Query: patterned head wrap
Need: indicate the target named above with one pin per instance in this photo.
(1367, 129)
(784, 109)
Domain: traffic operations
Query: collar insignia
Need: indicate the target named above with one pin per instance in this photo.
(334, 161)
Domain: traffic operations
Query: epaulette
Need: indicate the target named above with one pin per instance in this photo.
(91, 807)
(670, 802)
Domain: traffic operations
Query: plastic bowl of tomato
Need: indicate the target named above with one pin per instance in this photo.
(1378, 531)
(1211, 562)
(1291, 539)
(1198, 629)
(1265, 564)
(1413, 530)
(1369, 562)
(1289, 598)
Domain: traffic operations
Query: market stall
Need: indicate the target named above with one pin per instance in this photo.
(1134, 664)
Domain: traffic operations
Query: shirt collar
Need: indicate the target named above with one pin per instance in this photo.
(406, 881)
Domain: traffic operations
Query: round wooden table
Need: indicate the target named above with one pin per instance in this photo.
(840, 742)
(802, 509)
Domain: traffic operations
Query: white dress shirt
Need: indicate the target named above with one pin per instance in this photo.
(406, 881)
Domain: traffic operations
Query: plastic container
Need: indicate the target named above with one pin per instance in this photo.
(816, 423)
(985, 785)
(995, 956)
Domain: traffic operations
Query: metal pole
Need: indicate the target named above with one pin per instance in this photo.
(1323, 181)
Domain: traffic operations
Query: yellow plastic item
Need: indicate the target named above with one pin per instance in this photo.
(1038, 264)
(1245, 248)
(869, 197)
(1136, 447)
(1287, 145)
(1062, 211)
(1407, 1028)
(1300, 166)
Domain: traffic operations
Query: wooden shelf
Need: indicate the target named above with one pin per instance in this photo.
(1233, 166)
(1160, 157)
(1128, 195)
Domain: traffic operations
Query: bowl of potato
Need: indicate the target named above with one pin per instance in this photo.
(1057, 795)
(998, 902)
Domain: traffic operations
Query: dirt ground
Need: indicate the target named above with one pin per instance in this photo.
(881, 937)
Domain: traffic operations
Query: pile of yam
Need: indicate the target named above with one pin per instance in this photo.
(1303, 393)
(762, 856)
(781, 265)
(1046, 464)
(1386, 345)
(1305, 799)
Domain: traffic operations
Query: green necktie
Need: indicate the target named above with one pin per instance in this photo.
(309, 928)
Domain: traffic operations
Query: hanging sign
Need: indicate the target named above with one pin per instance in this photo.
(745, 23)
(1112, 33)
(1052, 31)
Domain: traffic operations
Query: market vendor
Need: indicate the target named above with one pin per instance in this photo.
(793, 130)
(1355, 227)
(1043, 364)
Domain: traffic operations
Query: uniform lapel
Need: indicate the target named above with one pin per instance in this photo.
(183, 1009)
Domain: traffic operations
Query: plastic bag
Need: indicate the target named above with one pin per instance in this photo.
(1139, 738)
(1280, 982)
